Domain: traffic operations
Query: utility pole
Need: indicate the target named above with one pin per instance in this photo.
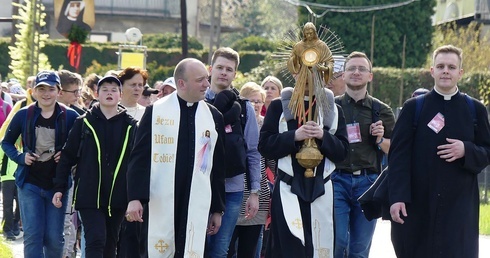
(400, 98)
(183, 24)
(35, 38)
(15, 11)
(215, 29)
(371, 90)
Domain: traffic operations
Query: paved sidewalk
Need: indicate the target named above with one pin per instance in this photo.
(382, 247)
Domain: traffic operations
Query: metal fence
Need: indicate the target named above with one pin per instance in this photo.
(156, 8)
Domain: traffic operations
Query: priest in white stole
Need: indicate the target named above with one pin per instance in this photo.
(177, 167)
(302, 208)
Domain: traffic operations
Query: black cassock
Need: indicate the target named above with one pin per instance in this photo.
(275, 145)
(441, 197)
(139, 167)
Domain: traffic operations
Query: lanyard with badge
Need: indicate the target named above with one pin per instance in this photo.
(354, 129)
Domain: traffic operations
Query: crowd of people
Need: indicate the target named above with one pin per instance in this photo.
(195, 166)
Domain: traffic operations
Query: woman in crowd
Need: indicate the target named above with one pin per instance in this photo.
(247, 237)
(273, 88)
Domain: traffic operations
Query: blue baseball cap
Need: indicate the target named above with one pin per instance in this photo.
(109, 79)
(48, 78)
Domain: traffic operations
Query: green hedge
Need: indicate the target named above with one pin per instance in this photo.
(99, 58)
(386, 84)
(105, 56)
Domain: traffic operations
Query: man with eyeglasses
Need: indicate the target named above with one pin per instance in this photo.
(369, 137)
(69, 95)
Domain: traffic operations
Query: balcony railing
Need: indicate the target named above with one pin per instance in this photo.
(154, 8)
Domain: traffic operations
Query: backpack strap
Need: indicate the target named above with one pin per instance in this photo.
(419, 102)
(63, 132)
(375, 107)
(380, 155)
(84, 131)
(472, 107)
(28, 136)
(243, 105)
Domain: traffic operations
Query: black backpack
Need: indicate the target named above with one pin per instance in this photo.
(235, 145)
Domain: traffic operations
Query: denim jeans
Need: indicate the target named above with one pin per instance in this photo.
(11, 216)
(42, 222)
(353, 232)
(217, 246)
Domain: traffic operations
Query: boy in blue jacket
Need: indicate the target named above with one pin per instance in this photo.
(43, 126)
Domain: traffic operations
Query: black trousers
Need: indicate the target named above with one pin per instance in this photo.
(101, 231)
(133, 238)
(247, 237)
(10, 217)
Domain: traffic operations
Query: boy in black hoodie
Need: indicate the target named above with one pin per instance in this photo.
(99, 145)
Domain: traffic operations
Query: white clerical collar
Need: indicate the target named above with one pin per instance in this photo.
(189, 104)
(307, 98)
(447, 96)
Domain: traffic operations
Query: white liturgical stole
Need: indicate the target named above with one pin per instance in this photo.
(321, 208)
(165, 132)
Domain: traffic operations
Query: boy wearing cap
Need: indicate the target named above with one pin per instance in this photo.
(99, 144)
(43, 126)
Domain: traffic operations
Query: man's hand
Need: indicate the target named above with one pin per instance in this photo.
(57, 156)
(252, 206)
(395, 210)
(377, 129)
(57, 200)
(308, 130)
(30, 158)
(214, 224)
(452, 151)
(134, 212)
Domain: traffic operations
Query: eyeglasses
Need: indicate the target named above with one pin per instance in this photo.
(361, 69)
(76, 92)
(256, 102)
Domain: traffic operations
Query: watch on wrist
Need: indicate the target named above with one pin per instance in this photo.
(256, 191)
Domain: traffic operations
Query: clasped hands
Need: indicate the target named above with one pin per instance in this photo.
(309, 130)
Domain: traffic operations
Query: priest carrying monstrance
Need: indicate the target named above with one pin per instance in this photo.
(305, 131)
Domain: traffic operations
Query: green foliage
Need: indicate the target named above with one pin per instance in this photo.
(77, 34)
(386, 83)
(5, 251)
(169, 40)
(254, 43)
(269, 19)
(391, 25)
(475, 45)
(470, 39)
(249, 60)
(100, 69)
(485, 219)
(26, 57)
